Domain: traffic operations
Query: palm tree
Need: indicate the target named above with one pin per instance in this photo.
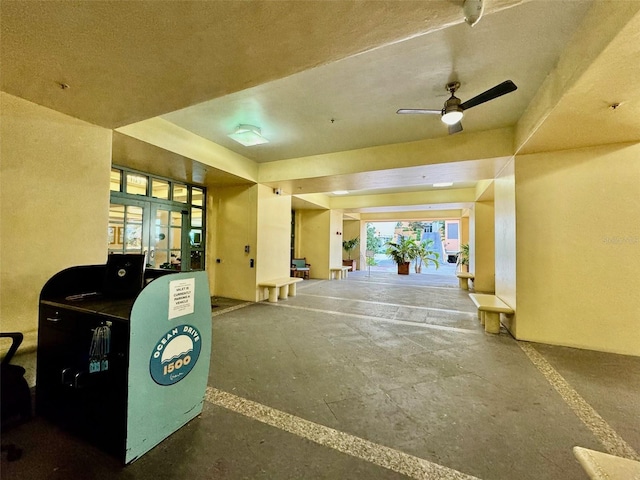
(350, 245)
(423, 253)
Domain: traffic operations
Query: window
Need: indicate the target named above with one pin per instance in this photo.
(160, 189)
(116, 180)
(197, 196)
(159, 217)
(180, 193)
(452, 231)
(136, 184)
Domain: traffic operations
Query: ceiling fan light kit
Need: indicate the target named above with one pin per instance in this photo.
(453, 110)
(452, 117)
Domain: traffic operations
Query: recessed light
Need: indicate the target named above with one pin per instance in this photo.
(340, 192)
(443, 184)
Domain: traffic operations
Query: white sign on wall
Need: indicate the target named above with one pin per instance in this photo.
(181, 297)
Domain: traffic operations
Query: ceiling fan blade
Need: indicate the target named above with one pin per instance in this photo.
(455, 128)
(505, 87)
(418, 110)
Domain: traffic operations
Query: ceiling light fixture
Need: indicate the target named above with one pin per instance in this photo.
(340, 192)
(248, 135)
(452, 117)
(452, 111)
(443, 184)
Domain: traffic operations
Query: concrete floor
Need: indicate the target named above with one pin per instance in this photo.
(378, 376)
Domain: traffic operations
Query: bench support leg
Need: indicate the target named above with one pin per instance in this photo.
(284, 292)
(273, 294)
(292, 290)
(491, 322)
(464, 283)
(481, 316)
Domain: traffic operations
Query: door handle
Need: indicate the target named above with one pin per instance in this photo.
(76, 380)
(66, 376)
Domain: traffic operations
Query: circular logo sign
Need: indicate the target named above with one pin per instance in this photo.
(175, 355)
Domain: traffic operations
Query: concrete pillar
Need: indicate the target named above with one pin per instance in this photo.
(483, 260)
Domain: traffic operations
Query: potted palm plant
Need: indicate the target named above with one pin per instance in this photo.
(423, 252)
(349, 246)
(401, 252)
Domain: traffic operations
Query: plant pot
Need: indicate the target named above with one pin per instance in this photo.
(349, 263)
(403, 268)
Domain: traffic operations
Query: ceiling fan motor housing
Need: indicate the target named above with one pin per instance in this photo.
(452, 105)
(452, 111)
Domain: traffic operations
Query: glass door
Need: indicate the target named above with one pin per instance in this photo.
(163, 218)
(127, 227)
(160, 231)
(168, 240)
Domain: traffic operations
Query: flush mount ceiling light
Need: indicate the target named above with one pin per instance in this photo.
(340, 192)
(443, 184)
(248, 135)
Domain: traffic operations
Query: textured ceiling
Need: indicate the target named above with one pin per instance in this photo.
(362, 93)
(324, 78)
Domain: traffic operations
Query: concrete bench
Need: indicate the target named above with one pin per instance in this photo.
(463, 279)
(601, 466)
(281, 287)
(339, 272)
(489, 309)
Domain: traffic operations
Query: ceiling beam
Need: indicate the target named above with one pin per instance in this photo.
(454, 148)
(430, 197)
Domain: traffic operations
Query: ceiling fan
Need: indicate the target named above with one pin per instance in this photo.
(452, 112)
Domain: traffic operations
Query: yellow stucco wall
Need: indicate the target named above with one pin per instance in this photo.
(578, 248)
(54, 201)
(484, 247)
(274, 237)
(464, 228)
(335, 240)
(505, 240)
(235, 212)
(313, 235)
